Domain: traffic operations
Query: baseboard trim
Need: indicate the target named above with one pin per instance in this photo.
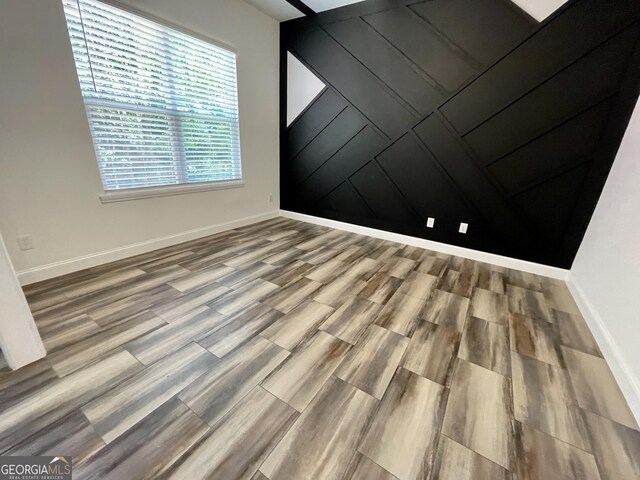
(507, 262)
(51, 270)
(627, 381)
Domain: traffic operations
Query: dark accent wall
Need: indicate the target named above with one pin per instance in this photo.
(462, 110)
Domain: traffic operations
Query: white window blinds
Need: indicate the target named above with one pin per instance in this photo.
(162, 105)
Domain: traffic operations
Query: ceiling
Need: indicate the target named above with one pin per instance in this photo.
(322, 5)
(282, 10)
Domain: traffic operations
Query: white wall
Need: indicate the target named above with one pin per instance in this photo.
(607, 268)
(49, 179)
(19, 338)
(539, 9)
(302, 87)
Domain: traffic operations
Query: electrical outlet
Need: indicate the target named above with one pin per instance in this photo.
(25, 242)
(270, 198)
(430, 222)
(463, 227)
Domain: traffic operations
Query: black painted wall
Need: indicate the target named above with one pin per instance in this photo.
(462, 110)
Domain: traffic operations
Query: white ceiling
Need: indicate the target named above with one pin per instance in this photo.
(322, 5)
(282, 10)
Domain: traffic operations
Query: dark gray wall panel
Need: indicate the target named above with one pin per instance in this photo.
(558, 43)
(354, 155)
(485, 29)
(373, 51)
(351, 79)
(519, 147)
(543, 158)
(382, 197)
(328, 142)
(313, 120)
(423, 46)
(424, 185)
(471, 179)
(345, 200)
(559, 195)
(590, 80)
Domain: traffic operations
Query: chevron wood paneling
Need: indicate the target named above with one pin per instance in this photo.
(466, 111)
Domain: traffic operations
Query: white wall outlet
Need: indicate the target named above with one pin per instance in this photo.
(25, 242)
(463, 227)
(270, 198)
(430, 222)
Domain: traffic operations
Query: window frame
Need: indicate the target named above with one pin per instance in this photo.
(136, 193)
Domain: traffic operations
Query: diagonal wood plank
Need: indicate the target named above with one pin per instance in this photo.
(446, 309)
(543, 398)
(456, 462)
(486, 344)
(373, 361)
(239, 329)
(305, 372)
(322, 442)
(403, 435)
(595, 387)
(541, 456)
(115, 412)
(350, 321)
(432, 352)
(237, 446)
(213, 395)
(159, 343)
(400, 314)
(300, 323)
(150, 448)
(60, 397)
(479, 413)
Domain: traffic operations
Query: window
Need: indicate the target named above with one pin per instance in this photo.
(162, 105)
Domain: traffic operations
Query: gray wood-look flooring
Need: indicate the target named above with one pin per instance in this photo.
(285, 350)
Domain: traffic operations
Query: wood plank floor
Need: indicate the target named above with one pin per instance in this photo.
(285, 350)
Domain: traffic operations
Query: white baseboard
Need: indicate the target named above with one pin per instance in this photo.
(64, 267)
(507, 262)
(627, 381)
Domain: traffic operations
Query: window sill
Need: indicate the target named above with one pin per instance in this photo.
(164, 191)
